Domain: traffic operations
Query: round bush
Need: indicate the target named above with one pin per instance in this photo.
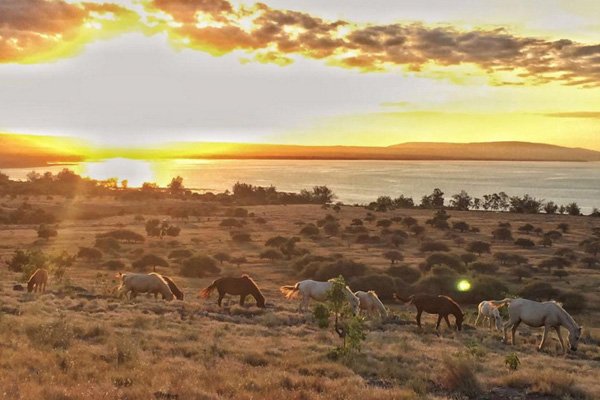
(406, 273)
(383, 285)
(199, 267)
(433, 246)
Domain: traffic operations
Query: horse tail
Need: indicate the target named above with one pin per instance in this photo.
(205, 293)
(407, 300)
(290, 291)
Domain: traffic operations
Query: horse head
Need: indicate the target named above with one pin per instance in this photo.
(574, 336)
(354, 301)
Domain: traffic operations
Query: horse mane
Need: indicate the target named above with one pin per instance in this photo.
(561, 308)
(255, 287)
(374, 296)
(454, 304)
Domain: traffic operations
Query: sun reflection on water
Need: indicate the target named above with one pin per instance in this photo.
(136, 172)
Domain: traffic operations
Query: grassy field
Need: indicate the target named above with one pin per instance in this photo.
(78, 341)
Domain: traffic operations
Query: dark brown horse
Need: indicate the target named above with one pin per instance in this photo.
(242, 286)
(441, 305)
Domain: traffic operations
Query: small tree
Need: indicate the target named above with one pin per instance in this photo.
(502, 234)
(46, 232)
(89, 253)
(573, 209)
(460, 226)
(409, 221)
(221, 257)
(271, 254)
(149, 260)
(524, 243)
(527, 228)
(348, 327)
(550, 208)
(468, 258)
(461, 201)
(560, 273)
(393, 256)
(238, 261)
(478, 247)
(563, 227)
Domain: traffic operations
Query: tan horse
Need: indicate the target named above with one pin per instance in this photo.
(369, 301)
(144, 283)
(548, 314)
(317, 290)
(38, 280)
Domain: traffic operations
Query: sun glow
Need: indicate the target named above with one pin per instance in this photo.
(463, 285)
(136, 172)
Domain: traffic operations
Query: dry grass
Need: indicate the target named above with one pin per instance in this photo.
(79, 342)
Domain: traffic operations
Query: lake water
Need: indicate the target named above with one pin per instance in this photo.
(364, 181)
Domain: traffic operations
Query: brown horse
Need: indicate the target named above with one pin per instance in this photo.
(242, 286)
(174, 289)
(38, 280)
(441, 305)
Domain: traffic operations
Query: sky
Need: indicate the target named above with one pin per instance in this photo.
(313, 72)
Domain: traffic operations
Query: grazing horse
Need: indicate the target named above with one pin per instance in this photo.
(242, 286)
(143, 283)
(548, 314)
(489, 311)
(317, 291)
(441, 305)
(369, 301)
(38, 280)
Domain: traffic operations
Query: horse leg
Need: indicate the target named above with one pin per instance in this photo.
(544, 337)
(242, 299)
(491, 322)
(419, 317)
(220, 299)
(437, 325)
(505, 327)
(304, 304)
(514, 330)
(448, 321)
(560, 338)
(477, 320)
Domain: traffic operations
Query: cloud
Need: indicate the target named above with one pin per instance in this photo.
(575, 114)
(41, 30)
(32, 27)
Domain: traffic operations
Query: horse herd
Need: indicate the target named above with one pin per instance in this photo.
(549, 314)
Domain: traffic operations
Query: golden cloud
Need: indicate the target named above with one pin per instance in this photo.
(42, 30)
(32, 27)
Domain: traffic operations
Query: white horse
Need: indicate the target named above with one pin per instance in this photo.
(369, 301)
(548, 314)
(316, 290)
(489, 311)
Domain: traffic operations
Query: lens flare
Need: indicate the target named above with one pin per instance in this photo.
(463, 285)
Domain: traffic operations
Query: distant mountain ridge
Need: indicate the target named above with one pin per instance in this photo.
(30, 151)
(509, 150)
